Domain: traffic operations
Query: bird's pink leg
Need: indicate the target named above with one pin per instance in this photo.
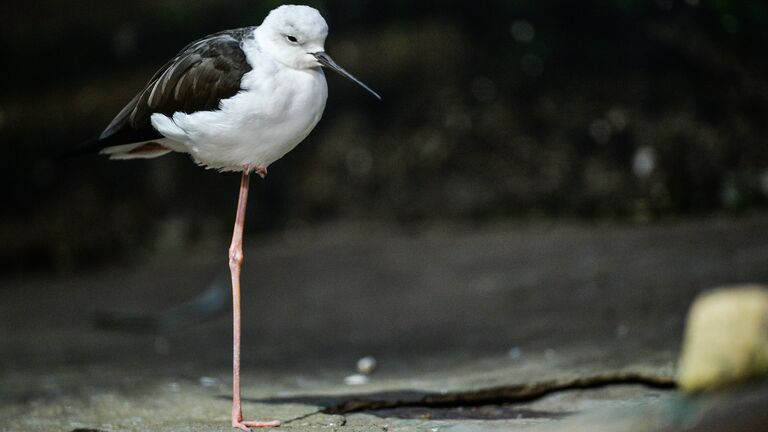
(235, 263)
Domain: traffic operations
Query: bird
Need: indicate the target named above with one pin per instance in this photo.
(235, 101)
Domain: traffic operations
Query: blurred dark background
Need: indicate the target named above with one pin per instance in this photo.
(494, 112)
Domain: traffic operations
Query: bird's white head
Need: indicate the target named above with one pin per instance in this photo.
(295, 37)
(292, 34)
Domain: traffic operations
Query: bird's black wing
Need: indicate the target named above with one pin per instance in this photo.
(203, 74)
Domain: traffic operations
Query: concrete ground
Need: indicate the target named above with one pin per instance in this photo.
(546, 328)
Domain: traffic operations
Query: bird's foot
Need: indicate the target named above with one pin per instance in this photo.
(247, 425)
(260, 170)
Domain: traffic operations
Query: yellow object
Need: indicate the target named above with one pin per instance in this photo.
(726, 339)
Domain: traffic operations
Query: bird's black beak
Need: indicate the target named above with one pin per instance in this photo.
(328, 62)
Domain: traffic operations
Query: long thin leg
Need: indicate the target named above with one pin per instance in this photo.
(235, 263)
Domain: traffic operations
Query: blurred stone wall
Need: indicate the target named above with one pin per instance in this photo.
(492, 111)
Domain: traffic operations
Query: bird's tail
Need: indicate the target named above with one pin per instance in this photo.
(145, 150)
(142, 150)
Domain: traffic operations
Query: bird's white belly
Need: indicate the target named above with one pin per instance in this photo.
(259, 125)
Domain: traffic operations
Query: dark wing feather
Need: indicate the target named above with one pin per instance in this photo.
(197, 79)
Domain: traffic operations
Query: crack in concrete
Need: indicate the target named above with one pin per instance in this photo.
(495, 395)
(342, 422)
(304, 416)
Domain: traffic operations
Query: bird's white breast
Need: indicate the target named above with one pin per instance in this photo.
(276, 110)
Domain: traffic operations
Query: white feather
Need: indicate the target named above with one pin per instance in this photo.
(168, 128)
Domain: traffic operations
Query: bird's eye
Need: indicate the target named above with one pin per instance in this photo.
(292, 39)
